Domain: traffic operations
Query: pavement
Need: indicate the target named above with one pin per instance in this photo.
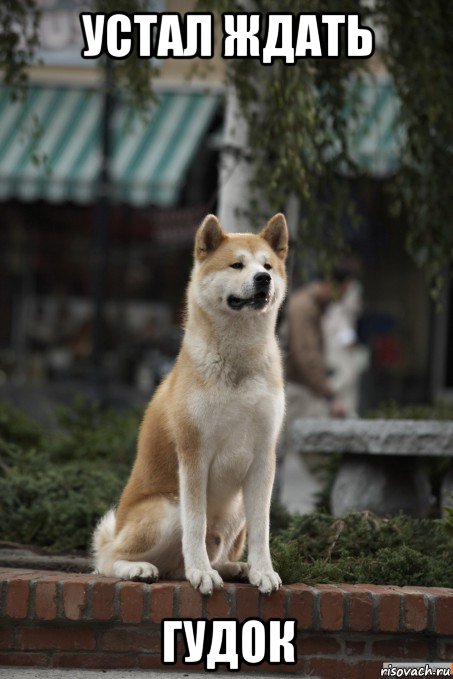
(70, 673)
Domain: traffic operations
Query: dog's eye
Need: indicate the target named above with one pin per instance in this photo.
(237, 265)
(268, 267)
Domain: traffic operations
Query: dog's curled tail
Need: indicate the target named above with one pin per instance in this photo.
(103, 537)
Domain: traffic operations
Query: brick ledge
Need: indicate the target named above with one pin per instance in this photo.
(59, 619)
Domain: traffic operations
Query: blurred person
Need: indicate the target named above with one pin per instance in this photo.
(310, 393)
(346, 359)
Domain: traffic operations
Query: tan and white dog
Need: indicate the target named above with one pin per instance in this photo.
(206, 451)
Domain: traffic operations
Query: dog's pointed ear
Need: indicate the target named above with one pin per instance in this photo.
(208, 238)
(276, 234)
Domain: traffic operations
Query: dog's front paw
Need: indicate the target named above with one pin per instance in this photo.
(204, 580)
(266, 580)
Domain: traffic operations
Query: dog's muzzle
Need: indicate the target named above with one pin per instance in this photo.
(260, 298)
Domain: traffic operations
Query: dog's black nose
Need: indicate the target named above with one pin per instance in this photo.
(262, 280)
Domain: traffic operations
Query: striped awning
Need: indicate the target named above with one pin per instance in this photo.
(375, 136)
(50, 145)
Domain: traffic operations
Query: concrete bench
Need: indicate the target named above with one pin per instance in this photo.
(380, 470)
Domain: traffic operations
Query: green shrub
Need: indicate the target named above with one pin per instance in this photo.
(54, 506)
(361, 547)
(280, 517)
(16, 427)
(90, 432)
(53, 490)
(391, 410)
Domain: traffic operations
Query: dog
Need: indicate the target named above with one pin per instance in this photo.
(205, 463)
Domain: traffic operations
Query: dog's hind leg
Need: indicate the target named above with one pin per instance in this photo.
(226, 561)
(238, 545)
(146, 543)
(232, 568)
(135, 570)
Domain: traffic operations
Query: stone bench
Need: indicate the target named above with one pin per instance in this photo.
(380, 470)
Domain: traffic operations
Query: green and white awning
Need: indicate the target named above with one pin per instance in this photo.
(50, 145)
(375, 135)
(50, 142)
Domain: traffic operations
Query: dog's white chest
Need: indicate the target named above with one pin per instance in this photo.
(227, 413)
(235, 424)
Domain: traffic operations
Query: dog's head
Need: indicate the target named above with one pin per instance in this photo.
(240, 273)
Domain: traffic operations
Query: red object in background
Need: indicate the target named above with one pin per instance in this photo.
(388, 351)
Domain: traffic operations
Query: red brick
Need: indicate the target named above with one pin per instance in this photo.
(360, 611)
(18, 596)
(104, 599)
(417, 650)
(8, 573)
(444, 650)
(388, 612)
(131, 601)
(329, 668)
(265, 667)
(95, 661)
(331, 608)
(376, 589)
(444, 615)
(190, 602)
(247, 602)
(24, 659)
(434, 591)
(353, 589)
(161, 601)
(415, 612)
(131, 639)
(218, 604)
(353, 647)
(180, 646)
(83, 578)
(74, 599)
(369, 669)
(150, 662)
(301, 605)
(53, 576)
(390, 648)
(179, 665)
(40, 638)
(402, 648)
(273, 605)
(6, 638)
(317, 645)
(46, 600)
